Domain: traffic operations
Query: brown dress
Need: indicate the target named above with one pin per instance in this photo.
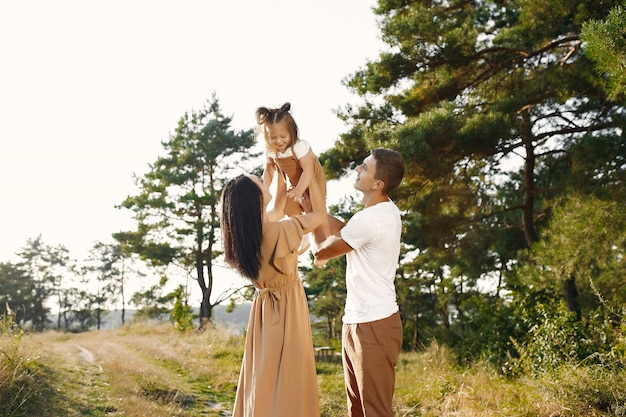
(278, 376)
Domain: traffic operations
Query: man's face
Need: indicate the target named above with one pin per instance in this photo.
(365, 180)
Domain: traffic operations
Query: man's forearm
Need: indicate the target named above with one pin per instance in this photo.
(333, 247)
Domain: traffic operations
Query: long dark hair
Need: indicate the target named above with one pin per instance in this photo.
(241, 225)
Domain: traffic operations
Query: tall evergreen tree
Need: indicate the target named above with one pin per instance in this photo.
(493, 104)
(17, 291)
(49, 268)
(110, 265)
(176, 208)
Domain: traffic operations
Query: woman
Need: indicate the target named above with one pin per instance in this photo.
(278, 369)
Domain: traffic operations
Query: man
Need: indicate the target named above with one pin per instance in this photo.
(372, 329)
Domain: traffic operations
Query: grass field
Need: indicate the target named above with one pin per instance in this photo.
(153, 370)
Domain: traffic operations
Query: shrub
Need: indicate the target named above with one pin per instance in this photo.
(557, 338)
(20, 376)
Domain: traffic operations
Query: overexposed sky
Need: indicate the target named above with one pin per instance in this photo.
(90, 88)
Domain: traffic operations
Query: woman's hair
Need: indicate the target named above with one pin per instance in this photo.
(241, 225)
(389, 168)
(267, 116)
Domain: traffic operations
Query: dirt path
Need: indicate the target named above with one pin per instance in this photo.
(105, 374)
(82, 385)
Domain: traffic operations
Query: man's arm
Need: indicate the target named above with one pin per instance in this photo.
(333, 247)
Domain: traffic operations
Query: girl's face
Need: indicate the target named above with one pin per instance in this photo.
(279, 136)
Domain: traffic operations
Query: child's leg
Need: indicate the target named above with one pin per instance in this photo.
(322, 233)
(331, 226)
(335, 225)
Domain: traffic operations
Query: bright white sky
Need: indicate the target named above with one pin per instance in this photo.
(90, 88)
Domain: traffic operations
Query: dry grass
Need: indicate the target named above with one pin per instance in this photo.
(429, 385)
(22, 384)
(141, 370)
(153, 370)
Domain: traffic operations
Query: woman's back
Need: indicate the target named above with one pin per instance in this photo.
(278, 375)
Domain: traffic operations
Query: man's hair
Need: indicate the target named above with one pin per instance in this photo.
(389, 168)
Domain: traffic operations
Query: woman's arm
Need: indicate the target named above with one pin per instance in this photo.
(268, 174)
(277, 212)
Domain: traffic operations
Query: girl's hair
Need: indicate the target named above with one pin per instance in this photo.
(266, 116)
(241, 225)
(389, 168)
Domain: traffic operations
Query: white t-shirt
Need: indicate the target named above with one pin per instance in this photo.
(374, 234)
(301, 148)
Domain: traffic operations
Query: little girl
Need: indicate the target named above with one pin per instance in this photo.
(292, 158)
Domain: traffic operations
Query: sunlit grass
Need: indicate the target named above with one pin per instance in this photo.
(147, 369)
(22, 382)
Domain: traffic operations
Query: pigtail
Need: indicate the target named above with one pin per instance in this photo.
(281, 112)
(263, 115)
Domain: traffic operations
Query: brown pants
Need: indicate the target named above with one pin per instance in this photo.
(370, 354)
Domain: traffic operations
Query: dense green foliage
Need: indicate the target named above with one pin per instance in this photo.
(606, 45)
(182, 313)
(515, 157)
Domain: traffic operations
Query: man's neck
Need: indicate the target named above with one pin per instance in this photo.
(374, 198)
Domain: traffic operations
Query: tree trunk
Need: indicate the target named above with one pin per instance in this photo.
(59, 316)
(528, 222)
(202, 284)
(122, 294)
(206, 309)
(206, 285)
(329, 328)
(570, 294)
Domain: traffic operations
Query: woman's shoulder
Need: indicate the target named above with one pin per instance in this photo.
(290, 225)
(289, 222)
(285, 223)
(282, 239)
